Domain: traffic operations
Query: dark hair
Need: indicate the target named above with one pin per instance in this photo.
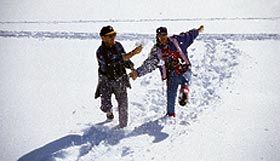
(107, 30)
(161, 30)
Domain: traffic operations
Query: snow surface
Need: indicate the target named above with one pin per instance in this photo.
(49, 74)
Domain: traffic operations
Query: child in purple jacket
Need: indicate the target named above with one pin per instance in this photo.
(169, 54)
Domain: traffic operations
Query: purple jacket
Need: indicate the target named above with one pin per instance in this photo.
(184, 40)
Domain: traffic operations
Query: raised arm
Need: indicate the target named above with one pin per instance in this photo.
(185, 39)
(135, 51)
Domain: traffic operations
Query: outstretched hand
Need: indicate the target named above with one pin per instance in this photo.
(138, 49)
(200, 29)
(135, 51)
(133, 74)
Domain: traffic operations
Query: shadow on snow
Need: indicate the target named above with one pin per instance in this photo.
(93, 136)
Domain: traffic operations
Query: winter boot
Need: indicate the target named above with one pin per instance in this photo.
(184, 95)
(171, 115)
(110, 115)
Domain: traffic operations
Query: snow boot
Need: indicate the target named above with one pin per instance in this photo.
(171, 115)
(184, 95)
(110, 116)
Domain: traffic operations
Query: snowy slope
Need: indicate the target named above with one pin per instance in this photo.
(48, 74)
(218, 63)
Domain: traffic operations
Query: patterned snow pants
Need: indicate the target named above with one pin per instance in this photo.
(118, 88)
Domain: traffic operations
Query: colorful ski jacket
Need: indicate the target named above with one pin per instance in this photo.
(176, 49)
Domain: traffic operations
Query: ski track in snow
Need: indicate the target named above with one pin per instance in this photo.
(214, 58)
(128, 36)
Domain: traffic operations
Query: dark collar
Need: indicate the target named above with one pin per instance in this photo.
(106, 47)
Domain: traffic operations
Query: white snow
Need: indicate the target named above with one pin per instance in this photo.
(48, 74)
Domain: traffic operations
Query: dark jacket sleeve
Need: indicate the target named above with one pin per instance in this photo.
(100, 62)
(129, 64)
(185, 39)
